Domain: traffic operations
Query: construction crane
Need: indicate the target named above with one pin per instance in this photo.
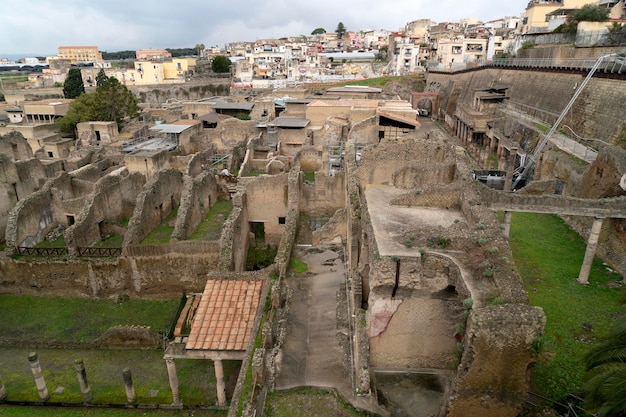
(555, 126)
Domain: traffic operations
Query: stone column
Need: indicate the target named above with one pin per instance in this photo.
(85, 389)
(3, 392)
(507, 223)
(173, 377)
(510, 167)
(131, 397)
(592, 244)
(219, 378)
(40, 382)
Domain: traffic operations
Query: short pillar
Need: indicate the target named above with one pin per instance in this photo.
(40, 382)
(173, 377)
(220, 386)
(81, 374)
(508, 215)
(590, 252)
(131, 397)
(3, 392)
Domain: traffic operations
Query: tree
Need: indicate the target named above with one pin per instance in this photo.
(111, 102)
(115, 102)
(341, 30)
(199, 47)
(73, 86)
(220, 63)
(101, 77)
(605, 382)
(318, 31)
(587, 13)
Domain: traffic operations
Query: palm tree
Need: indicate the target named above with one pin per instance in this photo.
(605, 382)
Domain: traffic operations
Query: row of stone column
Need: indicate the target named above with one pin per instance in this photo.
(81, 373)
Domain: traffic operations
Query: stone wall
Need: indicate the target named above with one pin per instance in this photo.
(112, 201)
(595, 114)
(159, 197)
(158, 94)
(35, 215)
(235, 238)
(230, 133)
(267, 198)
(325, 196)
(147, 277)
(498, 349)
(383, 163)
(198, 196)
(288, 238)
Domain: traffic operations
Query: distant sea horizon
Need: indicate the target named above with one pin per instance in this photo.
(15, 57)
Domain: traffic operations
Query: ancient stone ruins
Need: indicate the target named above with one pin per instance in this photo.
(405, 207)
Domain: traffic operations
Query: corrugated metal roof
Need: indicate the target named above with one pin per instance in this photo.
(170, 128)
(225, 316)
(233, 106)
(299, 122)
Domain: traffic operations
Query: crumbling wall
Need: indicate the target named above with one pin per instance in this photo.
(198, 196)
(498, 348)
(235, 238)
(231, 132)
(149, 277)
(112, 201)
(325, 196)
(288, 238)
(159, 197)
(379, 165)
(35, 215)
(267, 198)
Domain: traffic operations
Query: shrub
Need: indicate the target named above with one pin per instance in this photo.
(482, 241)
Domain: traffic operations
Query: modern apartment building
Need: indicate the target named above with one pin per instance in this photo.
(80, 53)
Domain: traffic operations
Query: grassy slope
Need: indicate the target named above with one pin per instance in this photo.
(77, 319)
(548, 255)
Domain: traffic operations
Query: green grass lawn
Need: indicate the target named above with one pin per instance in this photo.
(104, 373)
(110, 241)
(163, 232)
(20, 411)
(210, 228)
(77, 319)
(548, 256)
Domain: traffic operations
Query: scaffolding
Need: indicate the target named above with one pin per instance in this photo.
(335, 158)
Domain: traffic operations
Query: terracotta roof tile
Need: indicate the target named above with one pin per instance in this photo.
(225, 315)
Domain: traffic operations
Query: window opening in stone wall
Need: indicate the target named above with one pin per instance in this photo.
(70, 219)
(282, 220)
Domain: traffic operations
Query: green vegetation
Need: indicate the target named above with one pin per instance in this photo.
(260, 256)
(110, 241)
(220, 64)
(55, 318)
(104, 371)
(20, 411)
(605, 391)
(211, 227)
(308, 402)
(73, 86)
(163, 232)
(309, 176)
(112, 101)
(58, 243)
(548, 256)
(298, 266)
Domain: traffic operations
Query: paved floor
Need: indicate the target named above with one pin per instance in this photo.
(313, 353)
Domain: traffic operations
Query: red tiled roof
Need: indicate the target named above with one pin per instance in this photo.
(225, 315)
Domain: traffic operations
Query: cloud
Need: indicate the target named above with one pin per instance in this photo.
(42, 26)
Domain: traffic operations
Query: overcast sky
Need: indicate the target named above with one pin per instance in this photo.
(41, 26)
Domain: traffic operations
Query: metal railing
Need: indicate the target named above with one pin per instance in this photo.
(99, 252)
(613, 65)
